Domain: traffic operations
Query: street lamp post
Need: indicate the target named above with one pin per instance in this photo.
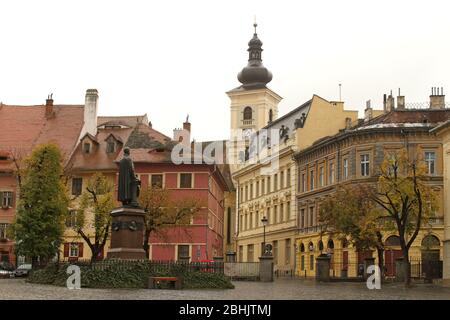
(264, 222)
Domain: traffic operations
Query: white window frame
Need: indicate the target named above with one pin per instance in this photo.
(365, 164)
(430, 162)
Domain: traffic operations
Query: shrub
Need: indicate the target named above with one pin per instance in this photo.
(117, 274)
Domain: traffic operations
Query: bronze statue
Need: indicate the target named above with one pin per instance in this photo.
(128, 182)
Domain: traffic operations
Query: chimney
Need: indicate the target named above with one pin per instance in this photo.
(389, 103)
(400, 101)
(49, 106)
(437, 98)
(90, 112)
(368, 112)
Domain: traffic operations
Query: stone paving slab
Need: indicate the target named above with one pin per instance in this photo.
(288, 289)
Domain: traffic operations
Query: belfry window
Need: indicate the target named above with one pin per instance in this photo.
(248, 113)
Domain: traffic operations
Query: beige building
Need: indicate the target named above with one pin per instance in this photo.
(262, 147)
(443, 132)
(354, 156)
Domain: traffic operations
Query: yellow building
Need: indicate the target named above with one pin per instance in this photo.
(262, 147)
(443, 131)
(354, 156)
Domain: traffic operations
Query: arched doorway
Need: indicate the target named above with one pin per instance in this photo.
(392, 252)
(430, 251)
(430, 248)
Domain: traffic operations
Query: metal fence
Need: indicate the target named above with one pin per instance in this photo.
(242, 270)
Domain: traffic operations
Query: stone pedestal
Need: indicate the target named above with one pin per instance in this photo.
(266, 268)
(323, 268)
(127, 234)
(368, 262)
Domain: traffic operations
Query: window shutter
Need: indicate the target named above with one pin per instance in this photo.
(66, 250)
(80, 250)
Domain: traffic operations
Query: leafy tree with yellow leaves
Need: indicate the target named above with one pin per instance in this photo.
(351, 212)
(407, 200)
(162, 209)
(93, 220)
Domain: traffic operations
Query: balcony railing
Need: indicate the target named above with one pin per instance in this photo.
(309, 229)
(248, 122)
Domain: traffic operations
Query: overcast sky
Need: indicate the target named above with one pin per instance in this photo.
(173, 58)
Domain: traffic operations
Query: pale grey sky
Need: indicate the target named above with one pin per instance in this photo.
(172, 58)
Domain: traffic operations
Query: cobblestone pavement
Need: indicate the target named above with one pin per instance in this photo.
(280, 289)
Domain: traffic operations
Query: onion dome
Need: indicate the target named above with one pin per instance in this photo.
(254, 75)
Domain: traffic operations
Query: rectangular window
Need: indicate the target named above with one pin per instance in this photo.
(71, 220)
(74, 250)
(241, 195)
(257, 189)
(321, 177)
(345, 171)
(185, 180)
(246, 221)
(263, 191)
(3, 230)
(157, 180)
(77, 186)
(6, 198)
(241, 222)
(250, 252)
(332, 173)
(288, 211)
(246, 193)
(311, 216)
(110, 147)
(302, 263)
(430, 161)
(268, 185)
(303, 182)
(183, 253)
(288, 178)
(281, 212)
(311, 262)
(251, 220)
(275, 182)
(251, 190)
(311, 180)
(287, 251)
(268, 216)
(282, 179)
(302, 218)
(365, 163)
(275, 213)
(86, 147)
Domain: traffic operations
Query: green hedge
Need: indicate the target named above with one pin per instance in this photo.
(134, 275)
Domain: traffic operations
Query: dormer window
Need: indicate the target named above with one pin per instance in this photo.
(86, 147)
(110, 147)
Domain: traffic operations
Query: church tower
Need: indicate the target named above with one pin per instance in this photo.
(253, 105)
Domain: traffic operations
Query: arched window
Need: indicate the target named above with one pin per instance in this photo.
(430, 241)
(248, 113)
(311, 246)
(302, 247)
(392, 241)
(330, 244)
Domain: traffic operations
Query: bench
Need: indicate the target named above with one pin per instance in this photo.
(153, 282)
